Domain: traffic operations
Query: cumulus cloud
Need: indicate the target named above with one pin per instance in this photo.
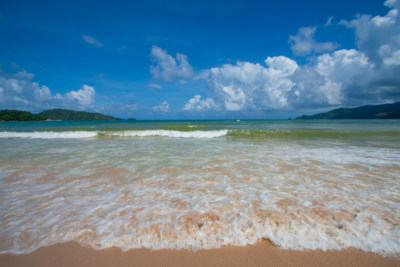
(389, 55)
(197, 104)
(337, 78)
(83, 98)
(346, 77)
(91, 40)
(18, 91)
(247, 86)
(168, 68)
(303, 43)
(163, 107)
(378, 37)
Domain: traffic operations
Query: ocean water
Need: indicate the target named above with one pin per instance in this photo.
(201, 184)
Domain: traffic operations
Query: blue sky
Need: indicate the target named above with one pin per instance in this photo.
(198, 59)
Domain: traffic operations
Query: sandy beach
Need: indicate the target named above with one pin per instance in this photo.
(261, 254)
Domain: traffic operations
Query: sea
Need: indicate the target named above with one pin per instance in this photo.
(302, 184)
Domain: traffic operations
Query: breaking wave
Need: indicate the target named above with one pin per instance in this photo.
(207, 134)
(93, 134)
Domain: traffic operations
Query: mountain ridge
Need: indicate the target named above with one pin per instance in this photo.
(384, 111)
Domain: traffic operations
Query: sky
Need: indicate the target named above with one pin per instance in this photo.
(222, 59)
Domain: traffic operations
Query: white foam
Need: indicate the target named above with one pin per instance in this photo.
(91, 134)
(179, 194)
(171, 133)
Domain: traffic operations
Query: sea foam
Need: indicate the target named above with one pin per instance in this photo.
(92, 134)
(199, 194)
(171, 133)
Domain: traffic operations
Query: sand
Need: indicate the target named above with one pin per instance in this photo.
(261, 254)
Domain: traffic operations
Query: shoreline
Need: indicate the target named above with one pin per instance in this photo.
(263, 253)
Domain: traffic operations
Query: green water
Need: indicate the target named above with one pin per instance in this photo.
(258, 129)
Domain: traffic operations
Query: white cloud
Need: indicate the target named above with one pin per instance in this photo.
(303, 43)
(154, 85)
(389, 19)
(163, 107)
(196, 104)
(329, 21)
(332, 80)
(344, 77)
(390, 56)
(248, 86)
(343, 65)
(282, 65)
(91, 40)
(377, 35)
(18, 91)
(168, 68)
(83, 98)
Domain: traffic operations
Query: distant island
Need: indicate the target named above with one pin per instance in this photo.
(54, 114)
(386, 111)
(72, 115)
(17, 115)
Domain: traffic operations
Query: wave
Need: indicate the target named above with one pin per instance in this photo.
(169, 133)
(206, 134)
(94, 134)
(309, 133)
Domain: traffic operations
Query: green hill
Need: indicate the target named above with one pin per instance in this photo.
(17, 115)
(54, 114)
(72, 115)
(386, 111)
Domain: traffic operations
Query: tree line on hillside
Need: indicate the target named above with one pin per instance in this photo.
(16, 115)
(385, 111)
(53, 114)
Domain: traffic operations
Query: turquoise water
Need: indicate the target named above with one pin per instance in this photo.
(201, 184)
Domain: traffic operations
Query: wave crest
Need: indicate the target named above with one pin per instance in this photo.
(93, 134)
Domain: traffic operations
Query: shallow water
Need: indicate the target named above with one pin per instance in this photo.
(201, 184)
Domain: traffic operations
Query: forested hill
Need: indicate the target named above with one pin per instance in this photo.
(386, 111)
(72, 115)
(17, 115)
(53, 114)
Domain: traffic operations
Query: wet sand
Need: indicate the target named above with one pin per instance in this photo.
(261, 254)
